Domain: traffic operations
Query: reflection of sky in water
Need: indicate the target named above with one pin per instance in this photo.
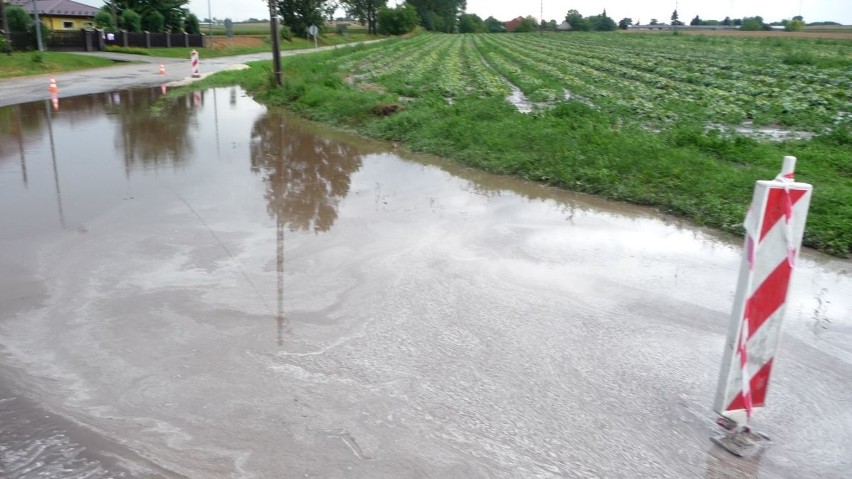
(96, 165)
(575, 234)
(99, 165)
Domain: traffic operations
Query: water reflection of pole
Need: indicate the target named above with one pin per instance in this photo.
(55, 168)
(20, 137)
(279, 266)
(216, 122)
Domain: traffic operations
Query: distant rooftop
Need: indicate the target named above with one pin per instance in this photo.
(64, 8)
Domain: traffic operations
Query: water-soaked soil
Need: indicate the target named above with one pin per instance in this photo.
(218, 290)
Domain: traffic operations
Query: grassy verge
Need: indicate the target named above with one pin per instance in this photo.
(35, 63)
(706, 176)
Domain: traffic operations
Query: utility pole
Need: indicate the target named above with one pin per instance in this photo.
(276, 40)
(8, 43)
(541, 21)
(38, 27)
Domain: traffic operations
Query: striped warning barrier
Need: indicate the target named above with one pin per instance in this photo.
(196, 68)
(774, 227)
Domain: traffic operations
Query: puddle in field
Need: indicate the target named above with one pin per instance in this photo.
(765, 133)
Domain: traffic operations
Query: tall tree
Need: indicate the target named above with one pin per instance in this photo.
(18, 19)
(398, 21)
(298, 15)
(493, 25)
(471, 23)
(577, 22)
(439, 15)
(173, 11)
(365, 11)
(675, 20)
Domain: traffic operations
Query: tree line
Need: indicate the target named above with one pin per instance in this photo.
(447, 16)
(147, 15)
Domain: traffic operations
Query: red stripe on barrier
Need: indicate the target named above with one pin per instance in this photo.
(769, 296)
(776, 207)
(758, 386)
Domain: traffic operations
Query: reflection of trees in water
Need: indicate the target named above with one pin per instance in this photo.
(306, 175)
(20, 125)
(150, 136)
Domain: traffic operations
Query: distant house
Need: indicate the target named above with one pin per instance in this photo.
(513, 24)
(59, 14)
(564, 27)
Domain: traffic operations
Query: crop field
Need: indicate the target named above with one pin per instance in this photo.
(683, 123)
(789, 84)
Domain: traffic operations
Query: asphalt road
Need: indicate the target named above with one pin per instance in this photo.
(134, 71)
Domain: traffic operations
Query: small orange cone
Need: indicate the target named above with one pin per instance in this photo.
(53, 88)
(162, 69)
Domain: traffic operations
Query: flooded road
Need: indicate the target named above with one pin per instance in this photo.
(212, 289)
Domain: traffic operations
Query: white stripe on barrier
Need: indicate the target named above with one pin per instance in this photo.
(774, 228)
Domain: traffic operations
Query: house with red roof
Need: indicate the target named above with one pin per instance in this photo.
(513, 24)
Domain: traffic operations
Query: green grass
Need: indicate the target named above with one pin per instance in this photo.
(35, 63)
(679, 166)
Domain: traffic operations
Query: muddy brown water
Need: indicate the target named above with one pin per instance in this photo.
(219, 290)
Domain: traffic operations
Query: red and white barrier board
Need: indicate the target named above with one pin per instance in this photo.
(774, 227)
(196, 67)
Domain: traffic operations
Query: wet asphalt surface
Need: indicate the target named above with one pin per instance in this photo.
(226, 291)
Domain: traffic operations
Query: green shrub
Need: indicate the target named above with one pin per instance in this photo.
(37, 58)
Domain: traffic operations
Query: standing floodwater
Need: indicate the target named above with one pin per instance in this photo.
(204, 288)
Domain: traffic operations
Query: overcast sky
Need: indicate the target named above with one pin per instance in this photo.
(770, 10)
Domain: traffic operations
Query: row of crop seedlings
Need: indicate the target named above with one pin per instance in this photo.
(483, 80)
(492, 54)
(790, 94)
(449, 79)
(517, 64)
(692, 101)
(732, 68)
(416, 76)
(373, 60)
(385, 66)
(651, 96)
(687, 67)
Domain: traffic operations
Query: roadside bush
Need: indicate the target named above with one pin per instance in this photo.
(37, 58)
(286, 33)
(190, 24)
(153, 21)
(18, 19)
(103, 21)
(397, 21)
(130, 21)
(794, 26)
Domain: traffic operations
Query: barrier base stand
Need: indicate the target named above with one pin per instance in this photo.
(740, 441)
